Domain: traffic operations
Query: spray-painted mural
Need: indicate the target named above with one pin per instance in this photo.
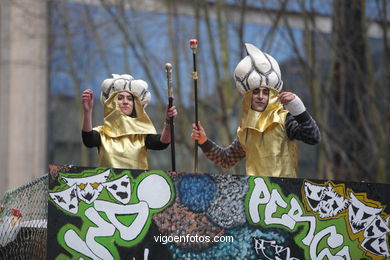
(99, 213)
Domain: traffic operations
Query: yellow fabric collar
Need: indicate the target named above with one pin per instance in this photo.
(260, 121)
(117, 124)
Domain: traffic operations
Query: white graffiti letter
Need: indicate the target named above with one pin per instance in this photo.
(90, 247)
(112, 209)
(275, 201)
(334, 240)
(260, 195)
(296, 213)
(75, 242)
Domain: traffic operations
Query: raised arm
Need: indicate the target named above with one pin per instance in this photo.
(299, 124)
(87, 101)
(90, 138)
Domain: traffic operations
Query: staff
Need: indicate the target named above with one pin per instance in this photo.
(168, 70)
(194, 46)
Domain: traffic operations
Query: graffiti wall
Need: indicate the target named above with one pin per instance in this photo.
(99, 213)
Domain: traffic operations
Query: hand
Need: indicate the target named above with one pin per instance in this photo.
(87, 100)
(171, 112)
(292, 103)
(198, 133)
(286, 97)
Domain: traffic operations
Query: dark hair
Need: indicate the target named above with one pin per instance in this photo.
(133, 113)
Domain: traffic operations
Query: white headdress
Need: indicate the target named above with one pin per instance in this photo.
(257, 69)
(125, 82)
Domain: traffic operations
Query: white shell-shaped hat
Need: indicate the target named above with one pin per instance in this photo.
(125, 82)
(256, 70)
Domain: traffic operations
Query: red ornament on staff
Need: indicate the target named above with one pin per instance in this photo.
(16, 216)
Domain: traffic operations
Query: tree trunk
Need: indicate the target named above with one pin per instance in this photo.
(350, 80)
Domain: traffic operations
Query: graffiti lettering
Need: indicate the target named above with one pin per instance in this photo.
(261, 196)
(131, 216)
(127, 233)
(296, 213)
(90, 247)
(274, 207)
(118, 214)
(363, 215)
(146, 254)
(270, 250)
(334, 240)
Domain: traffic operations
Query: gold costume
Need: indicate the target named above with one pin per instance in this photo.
(263, 137)
(123, 137)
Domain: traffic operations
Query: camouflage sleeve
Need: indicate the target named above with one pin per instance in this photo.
(226, 157)
(303, 128)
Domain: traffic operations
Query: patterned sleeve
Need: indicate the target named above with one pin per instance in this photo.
(226, 157)
(303, 128)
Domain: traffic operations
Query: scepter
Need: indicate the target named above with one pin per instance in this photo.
(168, 70)
(194, 46)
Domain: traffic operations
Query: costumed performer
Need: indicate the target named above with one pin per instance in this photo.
(271, 123)
(127, 132)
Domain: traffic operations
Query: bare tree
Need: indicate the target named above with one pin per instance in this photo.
(334, 71)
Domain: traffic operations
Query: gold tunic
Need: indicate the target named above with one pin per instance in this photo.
(263, 136)
(123, 137)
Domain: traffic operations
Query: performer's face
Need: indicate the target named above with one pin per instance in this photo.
(126, 102)
(260, 99)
